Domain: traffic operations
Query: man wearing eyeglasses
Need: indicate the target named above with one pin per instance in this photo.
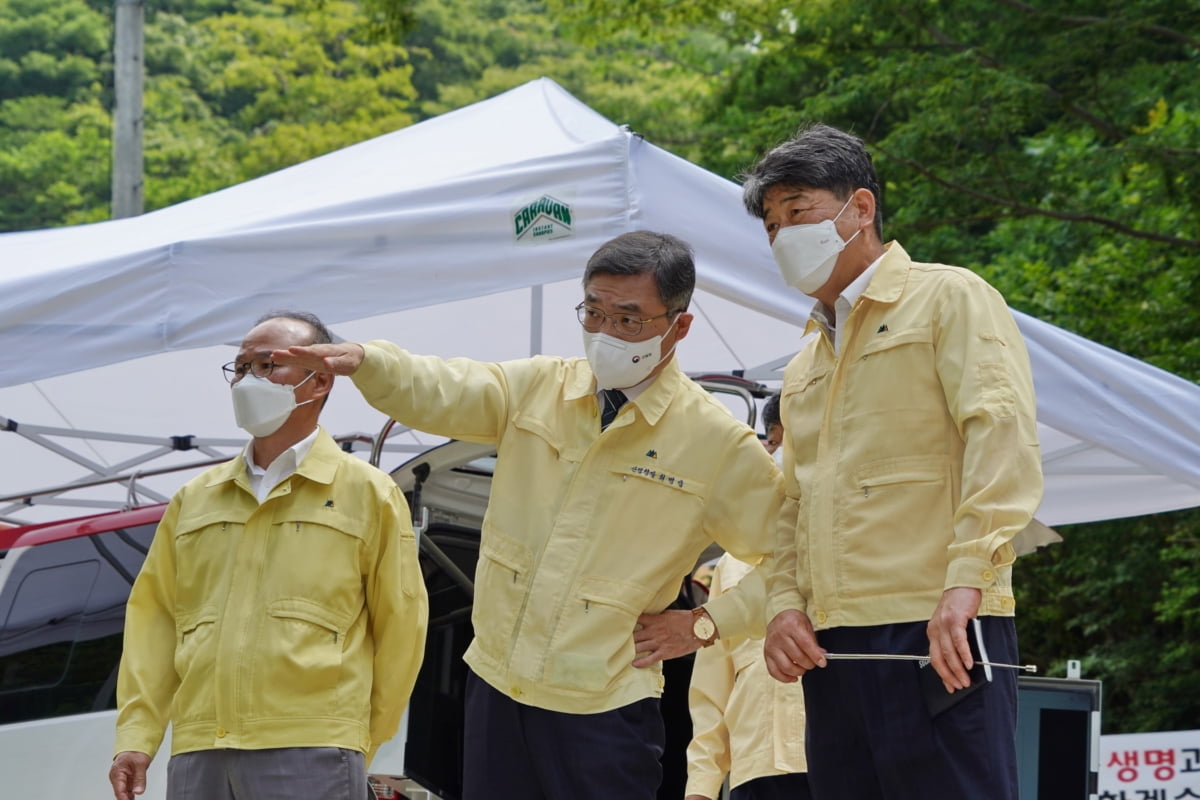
(278, 621)
(614, 472)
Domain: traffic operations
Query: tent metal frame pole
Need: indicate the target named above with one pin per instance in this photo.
(130, 471)
(536, 303)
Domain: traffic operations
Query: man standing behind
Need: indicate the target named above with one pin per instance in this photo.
(278, 621)
(910, 460)
(613, 473)
(745, 724)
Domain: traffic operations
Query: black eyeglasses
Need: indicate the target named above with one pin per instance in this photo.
(259, 368)
(592, 320)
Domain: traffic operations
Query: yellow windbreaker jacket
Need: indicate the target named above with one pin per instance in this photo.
(744, 722)
(297, 623)
(910, 460)
(585, 529)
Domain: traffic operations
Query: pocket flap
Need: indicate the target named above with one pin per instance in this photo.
(191, 523)
(626, 596)
(328, 517)
(902, 469)
(910, 336)
(186, 623)
(505, 551)
(309, 611)
(805, 381)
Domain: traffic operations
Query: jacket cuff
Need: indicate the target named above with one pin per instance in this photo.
(136, 741)
(974, 573)
(785, 601)
(704, 783)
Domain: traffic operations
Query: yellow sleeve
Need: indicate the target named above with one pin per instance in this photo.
(708, 754)
(740, 611)
(985, 373)
(399, 614)
(458, 398)
(787, 573)
(742, 509)
(147, 681)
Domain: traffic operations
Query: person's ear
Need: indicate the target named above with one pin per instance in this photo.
(682, 325)
(322, 384)
(863, 202)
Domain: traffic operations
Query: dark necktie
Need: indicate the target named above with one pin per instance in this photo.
(613, 400)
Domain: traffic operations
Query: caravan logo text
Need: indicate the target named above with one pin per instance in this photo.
(543, 219)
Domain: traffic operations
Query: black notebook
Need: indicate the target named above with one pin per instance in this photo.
(937, 699)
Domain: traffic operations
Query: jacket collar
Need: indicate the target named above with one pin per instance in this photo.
(320, 465)
(891, 275)
(653, 400)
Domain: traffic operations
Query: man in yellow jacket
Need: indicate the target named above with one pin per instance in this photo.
(911, 461)
(745, 724)
(613, 473)
(278, 621)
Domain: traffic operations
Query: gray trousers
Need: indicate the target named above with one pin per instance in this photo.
(330, 773)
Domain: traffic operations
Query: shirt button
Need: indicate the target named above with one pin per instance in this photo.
(515, 691)
(1007, 603)
(221, 733)
(988, 575)
(822, 617)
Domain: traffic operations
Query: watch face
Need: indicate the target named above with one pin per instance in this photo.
(703, 628)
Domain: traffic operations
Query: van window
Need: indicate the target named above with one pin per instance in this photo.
(62, 615)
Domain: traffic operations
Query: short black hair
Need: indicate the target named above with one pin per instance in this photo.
(666, 257)
(771, 413)
(817, 157)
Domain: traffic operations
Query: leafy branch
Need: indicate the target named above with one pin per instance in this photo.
(1019, 209)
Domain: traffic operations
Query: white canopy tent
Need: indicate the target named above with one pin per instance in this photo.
(466, 235)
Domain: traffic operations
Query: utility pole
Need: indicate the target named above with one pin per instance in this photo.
(127, 110)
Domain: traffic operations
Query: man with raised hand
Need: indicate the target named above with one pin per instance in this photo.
(278, 621)
(614, 472)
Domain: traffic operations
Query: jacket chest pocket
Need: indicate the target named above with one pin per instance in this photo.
(802, 406)
(205, 552)
(544, 433)
(893, 371)
(643, 491)
(313, 558)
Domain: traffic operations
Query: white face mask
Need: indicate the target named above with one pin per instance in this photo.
(260, 407)
(619, 364)
(806, 253)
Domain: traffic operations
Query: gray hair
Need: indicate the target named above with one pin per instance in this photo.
(321, 334)
(817, 157)
(667, 258)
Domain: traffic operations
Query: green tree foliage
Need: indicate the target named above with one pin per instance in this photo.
(232, 90)
(54, 130)
(466, 50)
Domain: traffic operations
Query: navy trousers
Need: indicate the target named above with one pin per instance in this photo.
(792, 786)
(512, 751)
(870, 735)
